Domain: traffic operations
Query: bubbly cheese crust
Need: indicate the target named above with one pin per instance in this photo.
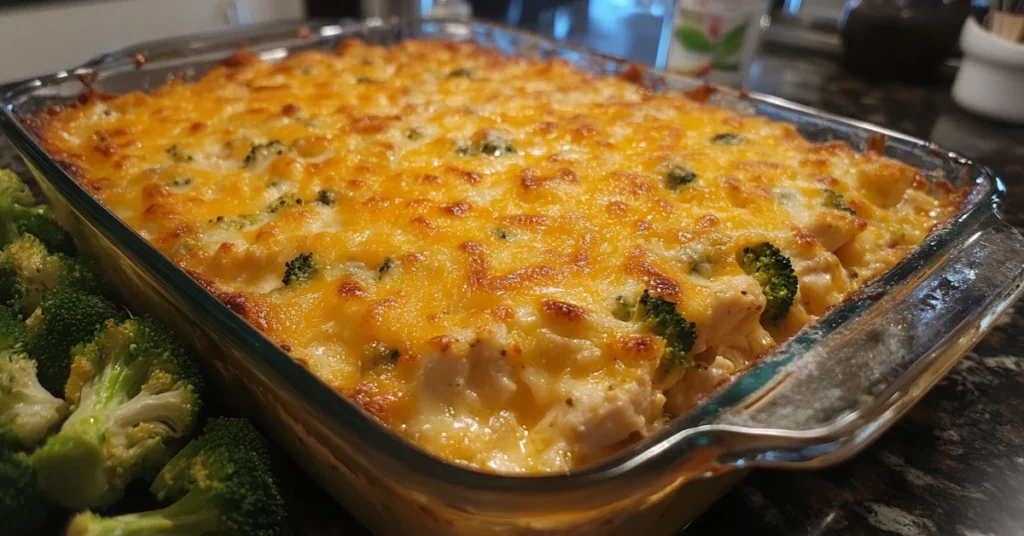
(473, 220)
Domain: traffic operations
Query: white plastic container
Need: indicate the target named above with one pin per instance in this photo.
(716, 39)
(991, 77)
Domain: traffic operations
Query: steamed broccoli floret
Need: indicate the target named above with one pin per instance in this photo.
(221, 483)
(774, 272)
(18, 216)
(301, 268)
(12, 329)
(36, 270)
(27, 411)
(13, 189)
(23, 509)
(134, 394)
(661, 318)
(66, 317)
(11, 288)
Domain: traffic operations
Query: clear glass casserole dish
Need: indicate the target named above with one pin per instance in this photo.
(816, 399)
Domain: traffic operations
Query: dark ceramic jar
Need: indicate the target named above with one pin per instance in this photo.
(900, 39)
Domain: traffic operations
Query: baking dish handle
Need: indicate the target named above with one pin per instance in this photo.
(851, 389)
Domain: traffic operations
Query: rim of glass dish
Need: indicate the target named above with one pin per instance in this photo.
(685, 434)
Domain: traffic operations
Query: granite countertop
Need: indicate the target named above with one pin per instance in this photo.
(955, 463)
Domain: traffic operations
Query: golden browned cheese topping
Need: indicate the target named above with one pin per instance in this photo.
(499, 258)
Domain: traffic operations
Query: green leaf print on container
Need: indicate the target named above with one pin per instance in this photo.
(694, 39)
(731, 42)
(724, 52)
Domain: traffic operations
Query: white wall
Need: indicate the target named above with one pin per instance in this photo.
(40, 39)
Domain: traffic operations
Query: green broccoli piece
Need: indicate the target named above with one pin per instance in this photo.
(496, 145)
(301, 268)
(237, 222)
(836, 201)
(490, 143)
(727, 138)
(662, 319)
(774, 272)
(624, 308)
(19, 216)
(66, 317)
(221, 483)
(23, 509)
(326, 197)
(179, 155)
(27, 411)
(264, 152)
(134, 395)
(31, 270)
(14, 190)
(13, 331)
(679, 175)
(11, 288)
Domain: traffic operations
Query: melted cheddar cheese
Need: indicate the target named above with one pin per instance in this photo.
(471, 221)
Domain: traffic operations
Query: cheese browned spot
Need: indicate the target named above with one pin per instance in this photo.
(477, 221)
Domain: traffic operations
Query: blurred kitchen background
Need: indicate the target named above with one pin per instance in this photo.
(40, 36)
(891, 62)
(841, 55)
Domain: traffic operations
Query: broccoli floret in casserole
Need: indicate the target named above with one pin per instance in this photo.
(29, 270)
(326, 197)
(134, 396)
(661, 318)
(773, 271)
(66, 317)
(301, 268)
(727, 138)
(264, 152)
(679, 175)
(488, 142)
(23, 508)
(27, 411)
(19, 216)
(835, 200)
(221, 483)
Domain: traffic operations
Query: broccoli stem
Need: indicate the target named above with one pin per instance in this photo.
(170, 409)
(71, 470)
(71, 465)
(195, 513)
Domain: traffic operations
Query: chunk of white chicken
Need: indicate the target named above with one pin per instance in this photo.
(822, 282)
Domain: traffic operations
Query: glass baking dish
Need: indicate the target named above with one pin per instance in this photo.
(815, 400)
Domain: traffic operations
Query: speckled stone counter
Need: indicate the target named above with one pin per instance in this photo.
(955, 463)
